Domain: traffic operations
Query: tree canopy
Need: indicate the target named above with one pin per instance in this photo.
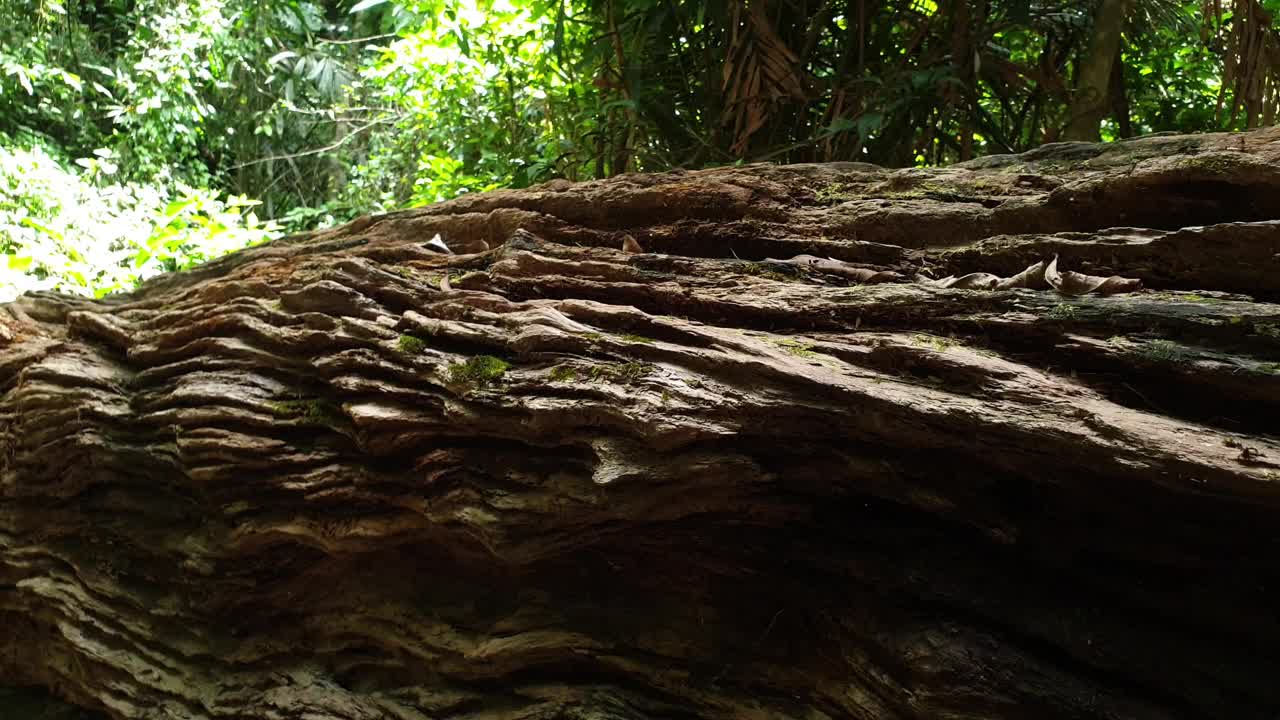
(138, 136)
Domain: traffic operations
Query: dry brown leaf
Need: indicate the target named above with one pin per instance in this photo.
(1031, 278)
(841, 268)
(972, 281)
(437, 243)
(759, 71)
(1074, 283)
(874, 277)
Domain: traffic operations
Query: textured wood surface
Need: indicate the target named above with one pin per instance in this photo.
(318, 480)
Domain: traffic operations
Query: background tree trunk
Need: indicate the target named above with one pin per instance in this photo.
(1090, 102)
(306, 481)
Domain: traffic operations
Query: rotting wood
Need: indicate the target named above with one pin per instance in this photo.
(343, 476)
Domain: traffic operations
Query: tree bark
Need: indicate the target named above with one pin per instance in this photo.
(1090, 103)
(317, 480)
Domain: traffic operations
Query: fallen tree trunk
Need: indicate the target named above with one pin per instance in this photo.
(345, 476)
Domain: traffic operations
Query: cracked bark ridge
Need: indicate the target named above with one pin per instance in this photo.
(345, 477)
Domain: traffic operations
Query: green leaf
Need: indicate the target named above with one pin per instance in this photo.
(317, 66)
(870, 123)
(840, 124)
(281, 57)
(158, 239)
(177, 206)
(24, 80)
(42, 228)
(20, 262)
(365, 5)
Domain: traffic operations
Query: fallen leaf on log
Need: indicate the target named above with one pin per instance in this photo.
(1038, 277)
(437, 243)
(1031, 278)
(972, 281)
(841, 268)
(1074, 283)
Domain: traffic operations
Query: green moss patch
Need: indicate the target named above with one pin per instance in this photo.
(834, 193)
(563, 373)
(1218, 163)
(620, 373)
(410, 345)
(478, 371)
(796, 347)
(940, 344)
(1063, 311)
(313, 411)
(1270, 330)
(764, 271)
(1162, 351)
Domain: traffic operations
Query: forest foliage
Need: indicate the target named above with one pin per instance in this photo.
(139, 136)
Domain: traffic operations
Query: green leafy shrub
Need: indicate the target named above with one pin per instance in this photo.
(77, 232)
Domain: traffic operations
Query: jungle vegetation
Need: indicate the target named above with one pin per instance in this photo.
(139, 136)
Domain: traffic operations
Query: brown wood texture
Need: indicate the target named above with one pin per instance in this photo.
(317, 480)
